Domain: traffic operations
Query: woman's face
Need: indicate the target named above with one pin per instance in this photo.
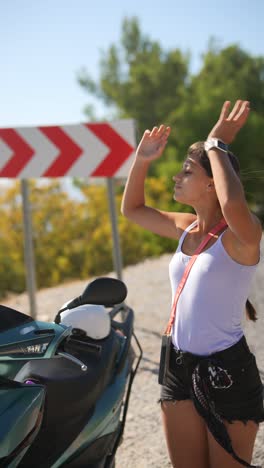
(192, 183)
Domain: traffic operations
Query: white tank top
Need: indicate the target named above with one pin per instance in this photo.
(211, 306)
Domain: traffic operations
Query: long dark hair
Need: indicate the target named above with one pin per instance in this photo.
(198, 149)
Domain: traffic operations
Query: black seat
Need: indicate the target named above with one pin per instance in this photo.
(71, 395)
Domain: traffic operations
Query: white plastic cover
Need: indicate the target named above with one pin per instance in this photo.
(94, 319)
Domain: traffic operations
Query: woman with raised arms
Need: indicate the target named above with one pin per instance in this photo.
(212, 400)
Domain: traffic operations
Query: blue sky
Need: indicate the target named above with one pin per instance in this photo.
(43, 44)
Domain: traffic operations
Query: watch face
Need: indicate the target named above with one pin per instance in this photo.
(215, 143)
(222, 145)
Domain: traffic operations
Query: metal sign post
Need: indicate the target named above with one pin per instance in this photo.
(117, 255)
(29, 250)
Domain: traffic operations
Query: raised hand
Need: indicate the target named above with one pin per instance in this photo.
(153, 143)
(229, 123)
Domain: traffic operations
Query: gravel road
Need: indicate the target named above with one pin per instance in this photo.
(149, 295)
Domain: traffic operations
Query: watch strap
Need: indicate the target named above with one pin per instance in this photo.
(215, 143)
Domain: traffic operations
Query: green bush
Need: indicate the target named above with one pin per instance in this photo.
(73, 238)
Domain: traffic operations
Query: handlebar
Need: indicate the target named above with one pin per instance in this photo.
(73, 359)
(79, 342)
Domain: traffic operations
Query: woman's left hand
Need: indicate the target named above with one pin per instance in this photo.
(229, 123)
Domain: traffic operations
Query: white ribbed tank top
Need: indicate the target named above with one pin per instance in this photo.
(211, 306)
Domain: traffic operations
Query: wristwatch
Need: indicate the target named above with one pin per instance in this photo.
(215, 143)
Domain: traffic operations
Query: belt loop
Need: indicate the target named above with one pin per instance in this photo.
(179, 356)
(179, 359)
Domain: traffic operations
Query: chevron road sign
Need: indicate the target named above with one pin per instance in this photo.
(84, 150)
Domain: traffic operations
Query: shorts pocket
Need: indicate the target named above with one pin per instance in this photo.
(244, 371)
(244, 398)
(176, 379)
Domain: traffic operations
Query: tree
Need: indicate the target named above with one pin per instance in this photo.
(72, 238)
(139, 78)
(231, 74)
(152, 85)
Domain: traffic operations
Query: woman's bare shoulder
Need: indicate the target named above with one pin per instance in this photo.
(172, 224)
(183, 220)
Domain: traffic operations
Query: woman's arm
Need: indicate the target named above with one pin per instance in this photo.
(245, 226)
(133, 206)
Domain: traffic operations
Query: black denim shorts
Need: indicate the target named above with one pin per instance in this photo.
(243, 400)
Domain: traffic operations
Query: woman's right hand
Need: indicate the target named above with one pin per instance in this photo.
(153, 143)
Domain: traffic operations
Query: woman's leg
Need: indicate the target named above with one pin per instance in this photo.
(243, 438)
(186, 434)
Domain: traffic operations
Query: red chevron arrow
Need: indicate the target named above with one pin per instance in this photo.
(69, 151)
(22, 153)
(119, 150)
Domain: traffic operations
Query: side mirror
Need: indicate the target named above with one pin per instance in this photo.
(102, 291)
